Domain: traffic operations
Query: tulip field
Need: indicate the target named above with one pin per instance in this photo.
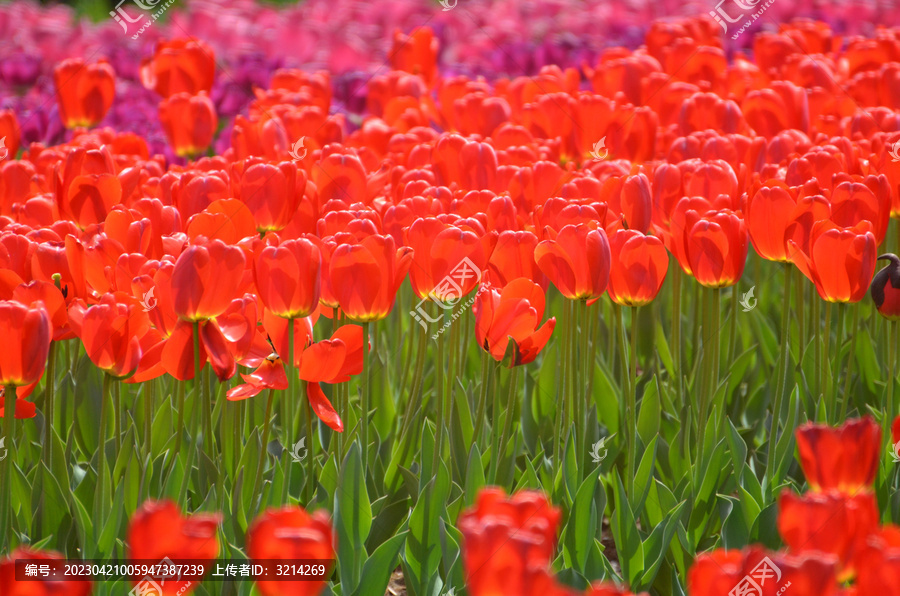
(457, 298)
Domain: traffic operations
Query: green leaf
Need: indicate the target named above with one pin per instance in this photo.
(649, 416)
(662, 349)
(423, 551)
(474, 475)
(582, 524)
(353, 518)
(657, 545)
(626, 535)
(378, 568)
(644, 475)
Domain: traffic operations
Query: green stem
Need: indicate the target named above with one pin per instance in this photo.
(148, 417)
(716, 336)
(438, 404)
(703, 354)
(827, 396)
(732, 335)
(289, 414)
(117, 415)
(50, 376)
(311, 454)
(816, 325)
(801, 320)
(510, 416)
(367, 387)
(631, 404)
(893, 334)
(781, 379)
(854, 331)
(6, 508)
(263, 451)
(100, 503)
(478, 422)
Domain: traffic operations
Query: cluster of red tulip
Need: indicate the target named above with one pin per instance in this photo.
(158, 531)
(832, 532)
(509, 544)
(231, 259)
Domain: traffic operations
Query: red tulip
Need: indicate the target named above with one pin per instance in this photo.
(37, 586)
(886, 288)
(577, 261)
(10, 133)
(879, 565)
(639, 266)
(716, 247)
(505, 538)
(775, 214)
(833, 523)
(840, 261)
(447, 260)
(755, 571)
(291, 534)
(84, 92)
(287, 278)
(179, 66)
(843, 459)
(512, 257)
(111, 332)
(26, 333)
(510, 317)
(365, 277)
(268, 375)
(158, 531)
(206, 279)
(189, 121)
(271, 192)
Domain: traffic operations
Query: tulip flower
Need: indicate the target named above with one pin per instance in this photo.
(885, 288)
(26, 333)
(832, 523)
(504, 538)
(111, 332)
(205, 280)
(509, 318)
(291, 534)
(447, 260)
(268, 375)
(840, 261)
(639, 266)
(190, 122)
(716, 247)
(755, 571)
(158, 530)
(10, 133)
(272, 193)
(577, 261)
(512, 257)
(84, 92)
(844, 459)
(774, 212)
(879, 564)
(365, 277)
(287, 278)
(179, 66)
(37, 586)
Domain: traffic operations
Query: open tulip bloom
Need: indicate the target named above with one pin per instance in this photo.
(501, 298)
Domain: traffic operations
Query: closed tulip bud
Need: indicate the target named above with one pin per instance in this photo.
(84, 92)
